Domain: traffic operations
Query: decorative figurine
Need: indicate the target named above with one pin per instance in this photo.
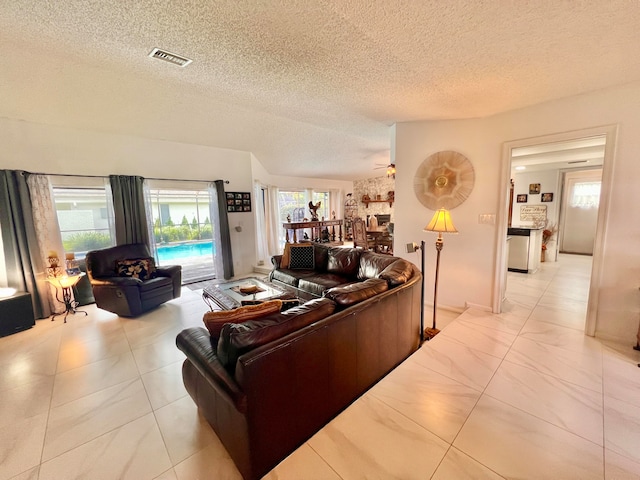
(314, 210)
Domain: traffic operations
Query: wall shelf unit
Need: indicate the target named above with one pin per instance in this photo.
(367, 202)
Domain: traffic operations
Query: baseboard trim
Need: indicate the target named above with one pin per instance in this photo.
(477, 306)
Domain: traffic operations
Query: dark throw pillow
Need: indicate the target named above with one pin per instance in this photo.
(141, 268)
(301, 257)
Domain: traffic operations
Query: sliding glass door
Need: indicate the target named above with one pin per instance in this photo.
(182, 228)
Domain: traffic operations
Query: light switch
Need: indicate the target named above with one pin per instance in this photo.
(487, 218)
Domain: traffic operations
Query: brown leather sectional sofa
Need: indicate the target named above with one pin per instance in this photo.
(267, 385)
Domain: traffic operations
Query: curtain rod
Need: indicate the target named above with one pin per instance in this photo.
(182, 180)
(106, 176)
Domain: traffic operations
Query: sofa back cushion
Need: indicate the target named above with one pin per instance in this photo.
(321, 254)
(343, 261)
(372, 264)
(237, 339)
(102, 263)
(356, 292)
(397, 273)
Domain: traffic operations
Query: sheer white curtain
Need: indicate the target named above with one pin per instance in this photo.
(262, 243)
(337, 202)
(218, 266)
(46, 226)
(585, 195)
(148, 208)
(273, 226)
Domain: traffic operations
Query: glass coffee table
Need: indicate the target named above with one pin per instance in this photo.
(234, 294)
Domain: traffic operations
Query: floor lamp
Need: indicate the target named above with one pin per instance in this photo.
(411, 248)
(441, 223)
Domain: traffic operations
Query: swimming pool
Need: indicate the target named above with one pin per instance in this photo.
(169, 253)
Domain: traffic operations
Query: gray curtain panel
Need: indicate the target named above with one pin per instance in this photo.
(225, 237)
(21, 252)
(129, 209)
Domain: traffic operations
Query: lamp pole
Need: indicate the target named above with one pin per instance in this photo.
(433, 331)
(422, 295)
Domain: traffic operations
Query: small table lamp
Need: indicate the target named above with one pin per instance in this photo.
(441, 223)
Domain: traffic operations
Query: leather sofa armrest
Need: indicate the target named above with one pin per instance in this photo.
(195, 342)
(276, 260)
(168, 270)
(175, 273)
(116, 281)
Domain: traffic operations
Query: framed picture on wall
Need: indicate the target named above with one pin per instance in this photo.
(534, 188)
(522, 198)
(238, 201)
(547, 197)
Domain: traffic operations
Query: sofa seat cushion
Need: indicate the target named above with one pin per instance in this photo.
(344, 261)
(316, 284)
(397, 273)
(348, 295)
(214, 321)
(291, 277)
(239, 338)
(149, 286)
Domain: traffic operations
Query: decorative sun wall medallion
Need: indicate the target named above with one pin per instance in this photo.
(444, 180)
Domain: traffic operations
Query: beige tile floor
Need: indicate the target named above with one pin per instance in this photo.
(523, 394)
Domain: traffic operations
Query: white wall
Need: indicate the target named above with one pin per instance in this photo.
(468, 259)
(549, 181)
(57, 150)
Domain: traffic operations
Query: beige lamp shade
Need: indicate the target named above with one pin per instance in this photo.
(444, 180)
(441, 222)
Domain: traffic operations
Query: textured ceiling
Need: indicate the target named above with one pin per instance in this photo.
(309, 86)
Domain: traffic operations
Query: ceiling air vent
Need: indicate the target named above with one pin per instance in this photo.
(170, 57)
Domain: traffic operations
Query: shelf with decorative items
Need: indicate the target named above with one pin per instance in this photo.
(366, 199)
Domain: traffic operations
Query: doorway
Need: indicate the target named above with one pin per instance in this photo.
(555, 146)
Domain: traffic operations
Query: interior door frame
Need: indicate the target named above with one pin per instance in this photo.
(611, 133)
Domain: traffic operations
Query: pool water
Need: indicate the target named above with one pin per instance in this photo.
(169, 253)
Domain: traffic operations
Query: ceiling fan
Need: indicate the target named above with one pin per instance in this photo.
(391, 169)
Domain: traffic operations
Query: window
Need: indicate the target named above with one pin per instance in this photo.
(585, 195)
(292, 204)
(83, 219)
(323, 198)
